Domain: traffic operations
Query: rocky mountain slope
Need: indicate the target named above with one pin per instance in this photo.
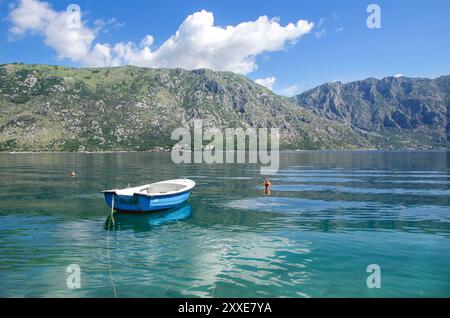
(52, 108)
(394, 112)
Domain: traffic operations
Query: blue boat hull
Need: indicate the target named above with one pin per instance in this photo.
(143, 203)
(146, 221)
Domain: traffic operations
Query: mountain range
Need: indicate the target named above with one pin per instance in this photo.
(394, 111)
(55, 108)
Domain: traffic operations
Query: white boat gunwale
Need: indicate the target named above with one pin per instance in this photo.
(187, 184)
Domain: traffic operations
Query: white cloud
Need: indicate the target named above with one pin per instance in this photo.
(266, 82)
(325, 24)
(197, 43)
(106, 26)
(321, 21)
(68, 40)
(147, 41)
(290, 90)
(321, 33)
(30, 15)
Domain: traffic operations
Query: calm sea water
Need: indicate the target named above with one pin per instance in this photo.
(330, 215)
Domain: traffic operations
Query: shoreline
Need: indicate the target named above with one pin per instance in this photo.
(283, 151)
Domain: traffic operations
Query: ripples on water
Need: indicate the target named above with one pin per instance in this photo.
(329, 216)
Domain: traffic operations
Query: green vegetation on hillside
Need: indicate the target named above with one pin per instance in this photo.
(54, 108)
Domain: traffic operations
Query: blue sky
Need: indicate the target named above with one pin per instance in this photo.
(414, 38)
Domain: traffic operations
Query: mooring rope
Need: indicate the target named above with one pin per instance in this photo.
(111, 219)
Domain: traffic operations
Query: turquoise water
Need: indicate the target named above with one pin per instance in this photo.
(330, 215)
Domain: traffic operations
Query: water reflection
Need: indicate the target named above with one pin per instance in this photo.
(329, 215)
(145, 221)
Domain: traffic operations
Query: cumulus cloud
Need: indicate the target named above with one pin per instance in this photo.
(290, 91)
(30, 15)
(68, 39)
(197, 43)
(147, 41)
(266, 82)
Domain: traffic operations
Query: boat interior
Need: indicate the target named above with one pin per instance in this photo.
(156, 188)
(162, 188)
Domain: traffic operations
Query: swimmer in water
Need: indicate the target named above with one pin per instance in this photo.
(267, 185)
(72, 174)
